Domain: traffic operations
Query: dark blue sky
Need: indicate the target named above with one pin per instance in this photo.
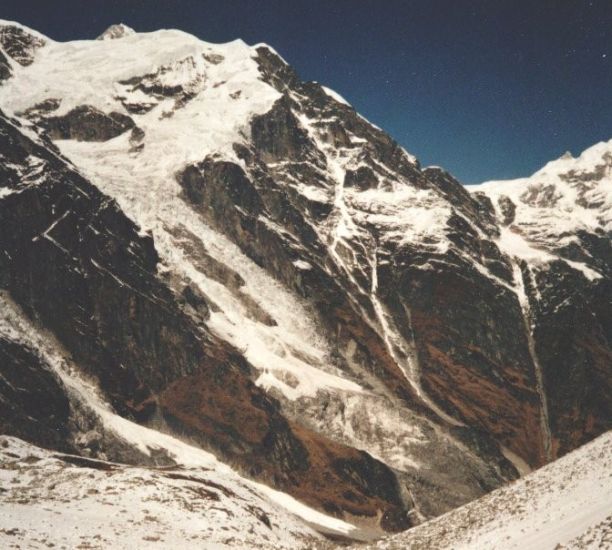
(486, 88)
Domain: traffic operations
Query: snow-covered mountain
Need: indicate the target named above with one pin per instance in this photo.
(198, 249)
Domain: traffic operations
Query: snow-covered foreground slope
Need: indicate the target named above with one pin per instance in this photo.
(567, 504)
(54, 500)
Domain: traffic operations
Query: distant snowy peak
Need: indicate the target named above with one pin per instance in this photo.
(116, 31)
(569, 183)
(588, 161)
(563, 209)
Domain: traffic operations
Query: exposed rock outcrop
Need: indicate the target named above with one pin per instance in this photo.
(115, 32)
(19, 44)
(33, 402)
(85, 123)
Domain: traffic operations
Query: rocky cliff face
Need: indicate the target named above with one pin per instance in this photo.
(237, 257)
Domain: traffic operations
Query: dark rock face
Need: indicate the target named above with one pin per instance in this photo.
(76, 264)
(153, 86)
(278, 136)
(474, 370)
(457, 195)
(33, 402)
(86, 123)
(79, 276)
(19, 44)
(115, 32)
(363, 178)
(508, 210)
(274, 70)
(5, 68)
(573, 334)
(136, 139)
(38, 111)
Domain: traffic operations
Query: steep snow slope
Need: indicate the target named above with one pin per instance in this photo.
(567, 504)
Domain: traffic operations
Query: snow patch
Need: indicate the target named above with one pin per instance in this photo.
(335, 95)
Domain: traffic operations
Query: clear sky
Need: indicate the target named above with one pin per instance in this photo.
(488, 89)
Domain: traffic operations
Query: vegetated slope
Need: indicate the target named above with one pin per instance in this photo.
(254, 266)
(567, 504)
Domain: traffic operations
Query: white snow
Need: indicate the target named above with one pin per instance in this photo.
(301, 264)
(513, 243)
(313, 193)
(6, 191)
(335, 95)
(310, 516)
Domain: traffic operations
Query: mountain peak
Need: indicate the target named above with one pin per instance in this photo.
(113, 32)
